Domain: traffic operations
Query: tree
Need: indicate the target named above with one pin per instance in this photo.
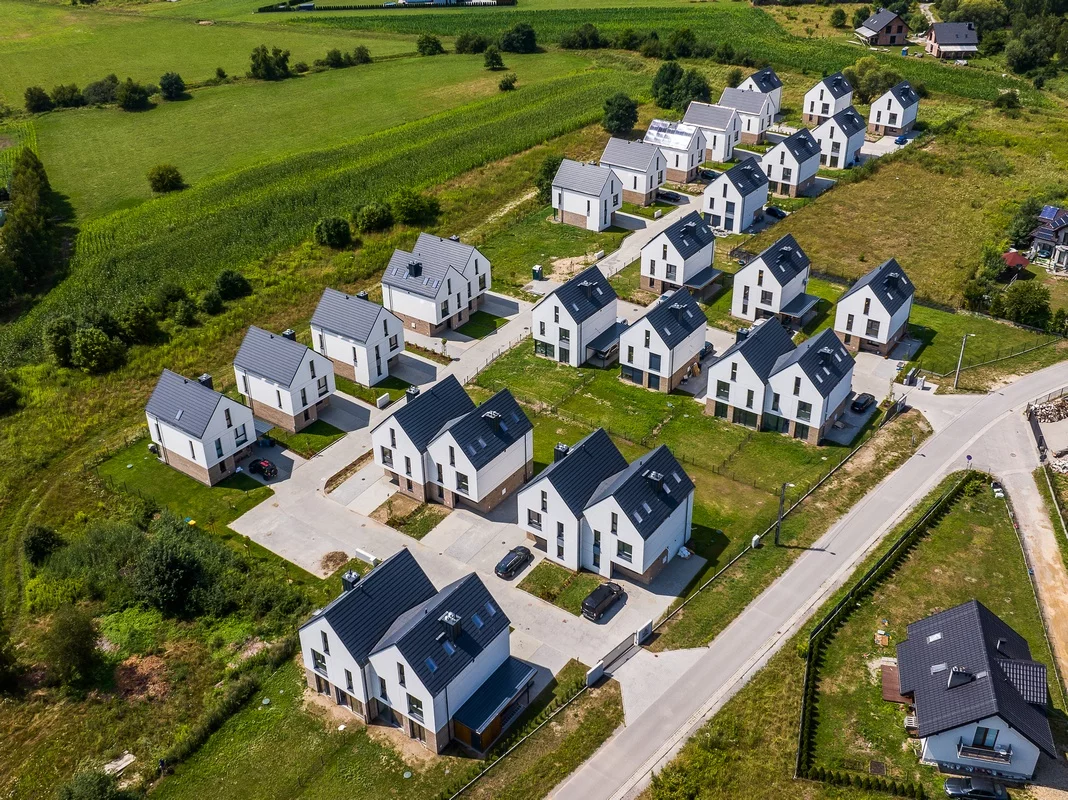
(507, 83)
(169, 574)
(1007, 100)
(1024, 221)
(185, 313)
(171, 86)
(212, 302)
(67, 96)
(137, 323)
(666, 84)
(39, 542)
(164, 178)
(693, 86)
(986, 14)
(131, 96)
(26, 238)
(410, 207)
(232, 285)
(10, 397)
(520, 38)
(37, 100)
(468, 43)
(1028, 50)
(838, 18)
(269, 66)
(1027, 302)
(870, 78)
(429, 45)
(374, 217)
(681, 42)
(492, 59)
(860, 16)
(332, 232)
(69, 646)
(620, 114)
(94, 352)
(93, 786)
(734, 76)
(584, 37)
(102, 92)
(361, 55)
(543, 181)
(57, 337)
(333, 59)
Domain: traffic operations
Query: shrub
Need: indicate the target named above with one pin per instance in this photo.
(300, 67)
(10, 397)
(507, 83)
(861, 15)
(185, 313)
(838, 18)
(680, 43)
(410, 207)
(9, 665)
(429, 45)
(101, 92)
(269, 66)
(57, 335)
(468, 42)
(67, 96)
(132, 96)
(37, 100)
(137, 323)
(164, 178)
(171, 86)
(734, 76)
(361, 55)
(1027, 302)
(544, 179)
(93, 786)
(620, 114)
(584, 37)
(374, 217)
(232, 285)
(332, 232)
(1008, 100)
(212, 302)
(520, 38)
(220, 75)
(652, 48)
(69, 646)
(492, 59)
(95, 352)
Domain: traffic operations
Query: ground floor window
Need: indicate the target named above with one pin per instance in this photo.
(775, 423)
(801, 431)
(654, 381)
(720, 410)
(631, 374)
(743, 417)
(544, 349)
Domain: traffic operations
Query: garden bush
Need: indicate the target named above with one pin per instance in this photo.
(332, 232)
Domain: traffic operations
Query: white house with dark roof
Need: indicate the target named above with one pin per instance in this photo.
(755, 113)
(831, 95)
(952, 40)
(285, 383)
(894, 113)
(568, 323)
(483, 456)
(883, 28)
(428, 297)
(980, 699)
(586, 195)
(680, 256)
(197, 430)
(840, 138)
(467, 259)
(766, 82)
(640, 168)
(773, 285)
(361, 339)
(738, 379)
(661, 348)
(792, 164)
(590, 510)
(735, 199)
(683, 147)
(721, 127)
(873, 315)
(436, 663)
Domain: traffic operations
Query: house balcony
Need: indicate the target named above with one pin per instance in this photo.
(997, 755)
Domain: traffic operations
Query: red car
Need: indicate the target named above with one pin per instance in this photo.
(261, 466)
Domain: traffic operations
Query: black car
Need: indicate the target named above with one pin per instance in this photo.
(671, 197)
(975, 787)
(513, 561)
(261, 466)
(600, 600)
(708, 175)
(707, 350)
(862, 402)
(775, 211)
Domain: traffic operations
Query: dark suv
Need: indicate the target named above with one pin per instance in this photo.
(600, 600)
(513, 561)
(261, 466)
(975, 787)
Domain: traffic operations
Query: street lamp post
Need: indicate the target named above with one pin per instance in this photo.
(782, 502)
(963, 343)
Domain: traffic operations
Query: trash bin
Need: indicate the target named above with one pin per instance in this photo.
(536, 272)
(904, 51)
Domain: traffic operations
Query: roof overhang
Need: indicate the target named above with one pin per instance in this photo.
(800, 305)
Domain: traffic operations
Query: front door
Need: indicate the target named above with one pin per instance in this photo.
(565, 356)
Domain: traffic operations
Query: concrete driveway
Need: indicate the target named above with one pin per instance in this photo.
(346, 413)
(416, 371)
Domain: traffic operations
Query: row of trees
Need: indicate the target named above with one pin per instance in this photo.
(129, 95)
(406, 207)
(27, 238)
(520, 38)
(680, 43)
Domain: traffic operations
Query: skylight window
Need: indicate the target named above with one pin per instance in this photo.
(178, 416)
(489, 607)
(645, 506)
(449, 647)
(637, 517)
(934, 637)
(475, 618)
(481, 442)
(936, 668)
(430, 663)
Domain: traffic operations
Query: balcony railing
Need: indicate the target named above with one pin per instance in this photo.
(1000, 755)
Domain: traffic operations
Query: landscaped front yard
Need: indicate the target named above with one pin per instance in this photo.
(482, 324)
(649, 211)
(560, 586)
(393, 386)
(409, 516)
(309, 441)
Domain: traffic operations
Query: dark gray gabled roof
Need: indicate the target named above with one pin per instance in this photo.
(418, 632)
(346, 315)
(889, 283)
(823, 358)
(363, 614)
(905, 94)
(879, 20)
(426, 279)
(435, 250)
(183, 403)
(588, 463)
(743, 101)
(575, 176)
(766, 80)
(761, 347)
(707, 115)
(836, 84)
(585, 294)
(675, 317)
(954, 33)
(689, 235)
(423, 416)
(627, 154)
(802, 145)
(999, 677)
(747, 176)
(489, 430)
(270, 356)
(849, 121)
(785, 259)
(648, 490)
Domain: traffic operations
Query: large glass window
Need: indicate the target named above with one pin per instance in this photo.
(624, 551)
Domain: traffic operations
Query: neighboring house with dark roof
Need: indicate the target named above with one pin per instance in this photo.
(720, 125)
(755, 113)
(435, 663)
(792, 164)
(361, 338)
(809, 388)
(735, 199)
(1052, 232)
(679, 256)
(468, 260)
(840, 138)
(482, 457)
(882, 29)
(660, 348)
(738, 379)
(952, 40)
(571, 318)
(682, 145)
(895, 112)
(590, 510)
(831, 95)
(586, 195)
(285, 383)
(773, 285)
(765, 82)
(197, 430)
(640, 168)
(981, 701)
(873, 315)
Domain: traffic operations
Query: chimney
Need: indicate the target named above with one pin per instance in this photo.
(454, 238)
(411, 392)
(362, 295)
(1000, 646)
(560, 451)
(678, 308)
(656, 479)
(494, 420)
(415, 269)
(450, 625)
(205, 380)
(959, 676)
(290, 334)
(741, 335)
(349, 580)
(588, 286)
(825, 353)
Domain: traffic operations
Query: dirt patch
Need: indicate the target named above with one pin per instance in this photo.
(142, 678)
(6, 142)
(251, 648)
(567, 267)
(398, 506)
(500, 213)
(343, 475)
(333, 561)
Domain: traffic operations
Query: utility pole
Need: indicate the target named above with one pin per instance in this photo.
(782, 503)
(963, 343)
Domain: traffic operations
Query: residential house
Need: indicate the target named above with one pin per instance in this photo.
(873, 315)
(720, 125)
(585, 195)
(883, 28)
(809, 388)
(755, 113)
(640, 168)
(981, 700)
(1050, 238)
(766, 82)
(773, 285)
(831, 95)
(895, 112)
(952, 40)
(570, 323)
(738, 379)
(661, 348)
(467, 259)
(682, 145)
(436, 664)
(792, 164)
(361, 339)
(286, 383)
(735, 199)
(483, 456)
(679, 256)
(590, 510)
(197, 430)
(840, 138)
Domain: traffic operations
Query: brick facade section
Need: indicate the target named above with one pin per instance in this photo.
(751, 138)
(853, 342)
(418, 491)
(889, 130)
(814, 119)
(493, 498)
(344, 370)
(791, 190)
(639, 198)
(283, 420)
(680, 175)
(428, 329)
(206, 475)
(573, 218)
(646, 577)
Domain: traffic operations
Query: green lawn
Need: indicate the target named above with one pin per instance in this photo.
(482, 324)
(649, 211)
(421, 521)
(560, 586)
(393, 386)
(311, 440)
(627, 283)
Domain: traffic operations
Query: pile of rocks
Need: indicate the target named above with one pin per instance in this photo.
(1059, 465)
(1053, 411)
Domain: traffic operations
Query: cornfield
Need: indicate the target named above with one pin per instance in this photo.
(13, 137)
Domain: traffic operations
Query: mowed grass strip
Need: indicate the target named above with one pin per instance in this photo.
(560, 586)
(310, 440)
